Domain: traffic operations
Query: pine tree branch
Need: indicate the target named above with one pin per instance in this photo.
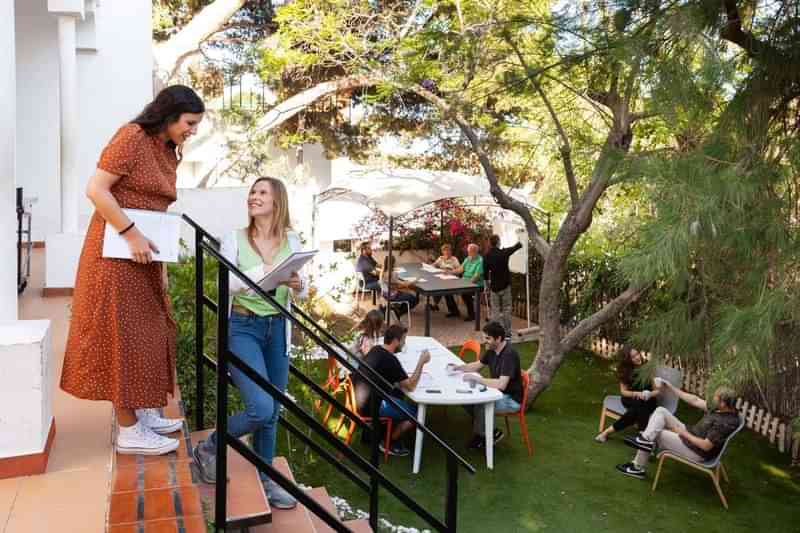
(733, 31)
(565, 149)
(609, 311)
(505, 201)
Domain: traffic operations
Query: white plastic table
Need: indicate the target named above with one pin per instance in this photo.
(454, 390)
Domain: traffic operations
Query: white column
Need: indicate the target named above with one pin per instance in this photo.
(68, 84)
(8, 124)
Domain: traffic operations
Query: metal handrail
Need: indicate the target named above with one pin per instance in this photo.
(207, 243)
(371, 380)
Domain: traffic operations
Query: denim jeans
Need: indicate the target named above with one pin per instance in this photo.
(391, 411)
(261, 343)
(506, 404)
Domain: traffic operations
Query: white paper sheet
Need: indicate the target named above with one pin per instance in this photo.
(446, 276)
(284, 270)
(164, 229)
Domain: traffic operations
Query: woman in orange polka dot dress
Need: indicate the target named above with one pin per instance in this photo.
(121, 344)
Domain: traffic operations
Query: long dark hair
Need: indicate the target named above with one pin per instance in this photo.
(167, 108)
(372, 324)
(625, 366)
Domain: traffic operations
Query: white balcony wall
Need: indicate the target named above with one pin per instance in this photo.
(38, 122)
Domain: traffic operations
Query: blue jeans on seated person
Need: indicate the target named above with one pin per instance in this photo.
(392, 412)
(261, 343)
(506, 404)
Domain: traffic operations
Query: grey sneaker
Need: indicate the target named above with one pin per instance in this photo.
(206, 461)
(278, 497)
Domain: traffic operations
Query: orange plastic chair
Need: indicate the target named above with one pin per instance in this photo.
(332, 386)
(352, 406)
(521, 414)
(471, 345)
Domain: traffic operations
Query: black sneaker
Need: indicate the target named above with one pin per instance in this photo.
(397, 449)
(630, 469)
(640, 443)
(478, 442)
(469, 319)
(498, 435)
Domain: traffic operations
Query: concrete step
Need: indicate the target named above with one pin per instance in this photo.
(247, 503)
(295, 520)
(320, 495)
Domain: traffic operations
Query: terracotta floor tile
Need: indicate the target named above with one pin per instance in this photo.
(183, 474)
(123, 508)
(126, 479)
(161, 526)
(190, 501)
(124, 528)
(156, 476)
(195, 524)
(158, 504)
(125, 460)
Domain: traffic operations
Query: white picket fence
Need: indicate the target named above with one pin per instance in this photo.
(758, 419)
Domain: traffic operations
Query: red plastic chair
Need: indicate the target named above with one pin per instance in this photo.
(473, 346)
(352, 406)
(521, 414)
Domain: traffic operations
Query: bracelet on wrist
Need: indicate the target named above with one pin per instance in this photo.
(132, 224)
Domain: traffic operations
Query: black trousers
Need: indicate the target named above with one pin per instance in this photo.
(637, 412)
(452, 306)
(469, 301)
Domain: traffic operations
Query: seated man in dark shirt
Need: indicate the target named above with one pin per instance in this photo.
(367, 266)
(699, 443)
(504, 367)
(382, 359)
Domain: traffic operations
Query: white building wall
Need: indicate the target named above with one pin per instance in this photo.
(8, 91)
(38, 114)
(114, 81)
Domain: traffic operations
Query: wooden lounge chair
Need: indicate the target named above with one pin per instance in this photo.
(712, 467)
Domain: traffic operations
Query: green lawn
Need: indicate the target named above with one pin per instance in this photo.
(570, 483)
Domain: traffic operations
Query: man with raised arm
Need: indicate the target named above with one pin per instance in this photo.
(701, 442)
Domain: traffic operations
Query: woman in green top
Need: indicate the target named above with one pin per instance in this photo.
(471, 269)
(259, 334)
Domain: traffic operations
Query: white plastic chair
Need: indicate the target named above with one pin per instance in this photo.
(390, 305)
(612, 404)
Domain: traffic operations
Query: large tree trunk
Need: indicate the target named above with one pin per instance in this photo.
(170, 55)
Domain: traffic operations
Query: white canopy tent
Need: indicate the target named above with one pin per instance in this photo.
(398, 191)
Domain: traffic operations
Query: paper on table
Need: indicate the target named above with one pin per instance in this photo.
(446, 276)
(430, 268)
(164, 229)
(426, 380)
(284, 270)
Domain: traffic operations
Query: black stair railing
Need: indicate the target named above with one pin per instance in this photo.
(366, 474)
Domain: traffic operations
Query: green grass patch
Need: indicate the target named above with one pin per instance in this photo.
(570, 483)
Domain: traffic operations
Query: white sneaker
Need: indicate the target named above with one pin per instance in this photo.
(138, 439)
(162, 426)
